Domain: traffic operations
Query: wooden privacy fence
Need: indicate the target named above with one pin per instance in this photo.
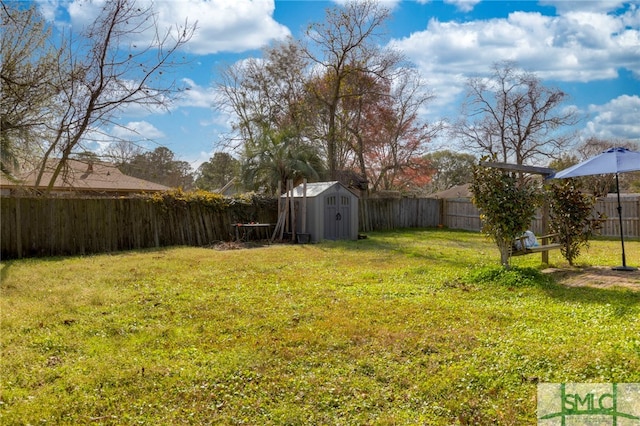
(630, 216)
(379, 214)
(460, 213)
(68, 226)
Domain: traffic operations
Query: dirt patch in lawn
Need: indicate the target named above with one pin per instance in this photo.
(596, 276)
(238, 245)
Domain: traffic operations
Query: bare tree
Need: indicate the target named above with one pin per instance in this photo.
(265, 95)
(109, 71)
(28, 86)
(513, 116)
(386, 136)
(346, 42)
(122, 151)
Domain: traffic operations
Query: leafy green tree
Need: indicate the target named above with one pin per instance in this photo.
(572, 217)
(507, 204)
(217, 172)
(278, 157)
(448, 169)
(160, 166)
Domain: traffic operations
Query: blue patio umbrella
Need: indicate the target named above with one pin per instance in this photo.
(611, 161)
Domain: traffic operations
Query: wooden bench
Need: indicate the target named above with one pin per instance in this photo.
(544, 247)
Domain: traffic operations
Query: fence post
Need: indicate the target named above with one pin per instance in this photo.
(18, 228)
(545, 228)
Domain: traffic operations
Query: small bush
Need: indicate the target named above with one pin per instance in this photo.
(182, 198)
(507, 204)
(572, 218)
(513, 277)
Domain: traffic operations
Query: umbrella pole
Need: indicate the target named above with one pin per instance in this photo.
(624, 266)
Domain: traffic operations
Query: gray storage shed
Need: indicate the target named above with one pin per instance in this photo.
(331, 211)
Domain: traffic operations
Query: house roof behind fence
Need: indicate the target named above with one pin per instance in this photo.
(459, 191)
(87, 176)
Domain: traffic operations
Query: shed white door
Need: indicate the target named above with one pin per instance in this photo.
(337, 217)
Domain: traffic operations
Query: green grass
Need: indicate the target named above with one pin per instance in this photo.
(406, 327)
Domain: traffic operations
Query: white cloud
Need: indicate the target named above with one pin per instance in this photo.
(48, 8)
(463, 5)
(230, 26)
(95, 139)
(222, 25)
(137, 131)
(615, 120)
(580, 45)
(602, 6)
(196, 96)
(196, 160)
(576, 47)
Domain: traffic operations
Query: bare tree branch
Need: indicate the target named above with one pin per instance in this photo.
(109, 72)
(512, 115)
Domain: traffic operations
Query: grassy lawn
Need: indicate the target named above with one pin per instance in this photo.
(407, 327)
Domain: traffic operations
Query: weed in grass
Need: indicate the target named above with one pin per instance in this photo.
(512, 277)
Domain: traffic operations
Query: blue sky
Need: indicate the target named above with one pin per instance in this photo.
(590, 49)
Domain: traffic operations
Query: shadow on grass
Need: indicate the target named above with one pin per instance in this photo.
(623, 301)
(4, 270)
(594, 285)
(595, 276)
(8, 263)
(453, 247)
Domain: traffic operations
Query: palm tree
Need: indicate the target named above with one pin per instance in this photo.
(278, 156)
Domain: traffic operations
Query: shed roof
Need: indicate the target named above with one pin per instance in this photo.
(314, 189)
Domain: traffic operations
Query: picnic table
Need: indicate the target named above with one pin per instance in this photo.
(248, 231)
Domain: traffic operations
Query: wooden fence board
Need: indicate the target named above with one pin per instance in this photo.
(63, 226)
(68, 226)
(462, 214)
(378, 214)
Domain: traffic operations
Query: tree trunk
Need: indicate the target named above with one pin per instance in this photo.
(504, 254)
